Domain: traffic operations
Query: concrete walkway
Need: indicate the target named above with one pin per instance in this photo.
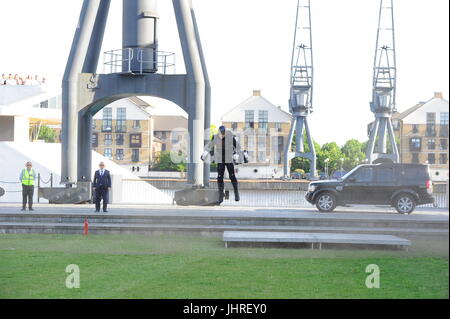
(359, 212)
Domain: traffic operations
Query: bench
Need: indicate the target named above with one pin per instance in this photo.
(313, 238)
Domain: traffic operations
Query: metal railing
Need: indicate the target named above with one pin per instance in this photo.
(139, 61)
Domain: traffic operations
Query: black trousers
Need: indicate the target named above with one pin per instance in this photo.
(101, 193)
(221, 172)
(27, 194)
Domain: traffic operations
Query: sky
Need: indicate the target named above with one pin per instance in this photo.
(248, 46)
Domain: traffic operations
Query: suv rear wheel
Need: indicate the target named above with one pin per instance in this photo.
(405, 204)
(326, 202)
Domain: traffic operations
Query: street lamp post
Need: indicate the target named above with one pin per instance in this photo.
(326, 167)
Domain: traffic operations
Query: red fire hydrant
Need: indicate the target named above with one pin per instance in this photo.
(86, 227)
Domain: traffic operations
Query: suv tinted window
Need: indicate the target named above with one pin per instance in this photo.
(414, 173)
(364, 174)
(385, 175)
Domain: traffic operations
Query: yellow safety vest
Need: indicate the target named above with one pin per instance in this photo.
(27, 177)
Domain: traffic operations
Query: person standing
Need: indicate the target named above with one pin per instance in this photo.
(27, 178)
(227, 152)
(101, 187)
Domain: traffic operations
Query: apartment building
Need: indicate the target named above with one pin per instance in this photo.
(132, 133)
(423, 134)
(262, 129)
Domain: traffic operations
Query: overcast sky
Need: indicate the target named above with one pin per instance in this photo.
(248, 46)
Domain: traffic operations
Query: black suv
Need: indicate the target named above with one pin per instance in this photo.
(403, 186)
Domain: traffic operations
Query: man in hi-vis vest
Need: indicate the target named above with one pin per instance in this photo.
(27, 178)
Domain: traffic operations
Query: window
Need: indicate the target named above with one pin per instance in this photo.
(443, 159)
(431, 118)
(107, 120)
(385, 175)
(234, 126)
(108, 153)
(415, 158)
(163, 147)
(364, 175)
(261, 156)
(136, 140)
(415, 129)
(444, 125)
(262, 142)
(95, 140)
(431, 124)
(250, 142)
(44, 105)
(137, 124)
(415, 144)
(135, 156)
(413, 174)
(121, 113)
(278, 127)
(120, 139)
(161, 135)
(249, 119)
(396, 125)
(431, 158)
(444, 144)
(444, 118)
(431, 144)
(263, 118)
(108, 139)
(94, 124)
(119, 154)
(121, 125)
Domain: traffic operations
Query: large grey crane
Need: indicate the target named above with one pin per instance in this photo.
(383, 103)
(301, 95)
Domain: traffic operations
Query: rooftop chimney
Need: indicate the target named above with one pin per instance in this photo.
(256, 92)
(438, 95)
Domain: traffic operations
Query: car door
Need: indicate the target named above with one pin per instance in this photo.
(359, 186)
(385, 185)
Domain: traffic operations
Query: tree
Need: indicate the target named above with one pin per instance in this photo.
(353, 154)
(301, 162)
(330, 151)
(164, 163)
(47, 134)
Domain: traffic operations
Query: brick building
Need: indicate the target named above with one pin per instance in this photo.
(422, 131)
(262, 129)
(128, 132)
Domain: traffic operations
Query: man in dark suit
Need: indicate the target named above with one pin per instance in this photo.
(101, 187)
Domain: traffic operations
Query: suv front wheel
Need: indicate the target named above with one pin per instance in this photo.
(405, 204)
(326, 202)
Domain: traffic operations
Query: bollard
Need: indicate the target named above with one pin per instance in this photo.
(86, 227)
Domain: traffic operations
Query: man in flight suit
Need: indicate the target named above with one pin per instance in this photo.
(227, 152)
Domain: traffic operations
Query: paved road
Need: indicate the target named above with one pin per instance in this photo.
(360, 212)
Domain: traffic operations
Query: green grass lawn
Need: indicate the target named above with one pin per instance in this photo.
(33, 266)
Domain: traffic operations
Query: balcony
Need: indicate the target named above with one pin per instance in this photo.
(107, 128)
(139, 61)
(121, 128)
